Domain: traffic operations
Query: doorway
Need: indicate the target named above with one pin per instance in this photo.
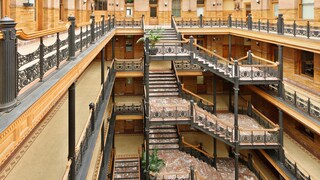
(129, 47)
(176, 8)
(248, 9)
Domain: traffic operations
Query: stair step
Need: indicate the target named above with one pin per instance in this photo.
(152, 131)
(163, 146)
(161, 78)
(126, 164)
(161, 72)
(163, 94)
(164, 141)
(158, 90)
(162, 75)
(162, 127)
(127, 160)
(127, 170)
(126, 176)
(160, 136)
(163, 86)
(162, 82)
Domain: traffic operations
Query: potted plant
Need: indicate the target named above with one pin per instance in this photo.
(154, 36)
(155, 163)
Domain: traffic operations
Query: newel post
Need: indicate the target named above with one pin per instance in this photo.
(8, 66)
(92, 28)
(103, 24)
(249, 22)
(72, 37)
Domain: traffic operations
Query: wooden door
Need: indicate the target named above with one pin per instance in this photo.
(129, 47)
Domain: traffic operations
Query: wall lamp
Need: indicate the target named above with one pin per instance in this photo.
(165, 4)
(216, 4)
(84, 1)
(258, 1)
(257, 43)
(117, 4)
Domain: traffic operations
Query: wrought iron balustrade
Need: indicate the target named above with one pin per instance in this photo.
(125, 108)
(169, 113)
(53, 48)
(186, 66)
(308, 105)
(171, 48)
(308, 29)
(129, 65)
(128, 22)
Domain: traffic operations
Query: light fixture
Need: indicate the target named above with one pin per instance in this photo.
(84, 1)
(214, 4)
(165, 4)
(258, 1)
(257, 43)
(117, 4)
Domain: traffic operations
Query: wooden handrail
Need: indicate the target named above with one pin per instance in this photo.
(258, 65)
(262, 115)
(195, 95)
(243, 58)
(214, 54)
(66, 172)
(168, 105)
(262, 59)
(127, 60)
(170, 41)
(38, 34)
(260, 130)
(195, 148)
(84, 23)
(300, 167)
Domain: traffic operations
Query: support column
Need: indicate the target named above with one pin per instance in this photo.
(215, 152)
(92, 26)
(72, 130)
(72, 38)
(102, 70)
(147, 65)
(214, 95)
(8, 65)
(230, 46)
(280, 69)
(230, 97)
(236, 126)
(281, 151)
(113, 47)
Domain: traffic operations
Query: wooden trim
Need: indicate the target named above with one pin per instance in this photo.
(195, 95)
(294, 114)
(38, 34)
(274, 164)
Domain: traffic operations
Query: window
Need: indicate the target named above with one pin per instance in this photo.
(307, 9)
(307, 63)
(200, 1)
(200, 80)
(153, 1)
(129, 12)
(129, 1)
(276, 10)
(153, 11)
(129, 46)
(101, 5)
(176, 8)
(61, 10)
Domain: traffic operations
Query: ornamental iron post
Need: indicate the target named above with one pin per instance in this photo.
(103, 24)
(280, 24)
(249, 21)
(201, 20)
(214, 95)
(72, 130)
(229, 21)
(280, 70)
(236, 126)
(281, 151)
(109, 22)
(92, 29)
(102, 71)
(215, 152)
(249, 57)
(8, 64)
(191, 41)
(72, 37)
(192, 172)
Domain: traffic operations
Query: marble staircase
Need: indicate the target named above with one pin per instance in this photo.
(162, 84)
(163, 137)
(126, 168)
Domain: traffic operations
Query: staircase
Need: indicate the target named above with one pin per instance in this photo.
(162, 84)
(167, 34)
(127, 168)
(163, 137)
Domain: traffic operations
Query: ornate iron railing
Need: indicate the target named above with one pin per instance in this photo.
(125, 108)
(53, 47)
(186, 65)
(308, 105)
(296, 169)
(308, 29)
(169, 113)
(128, 22)
(129, 64)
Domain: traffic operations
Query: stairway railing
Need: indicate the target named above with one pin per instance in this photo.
(196, 152)
(129, 64)
(248, 161)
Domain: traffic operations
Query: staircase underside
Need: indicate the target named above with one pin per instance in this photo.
(175, 110)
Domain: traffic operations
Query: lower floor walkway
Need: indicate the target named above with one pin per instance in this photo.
(44, 155)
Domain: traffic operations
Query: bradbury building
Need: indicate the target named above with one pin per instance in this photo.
(213, 89)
